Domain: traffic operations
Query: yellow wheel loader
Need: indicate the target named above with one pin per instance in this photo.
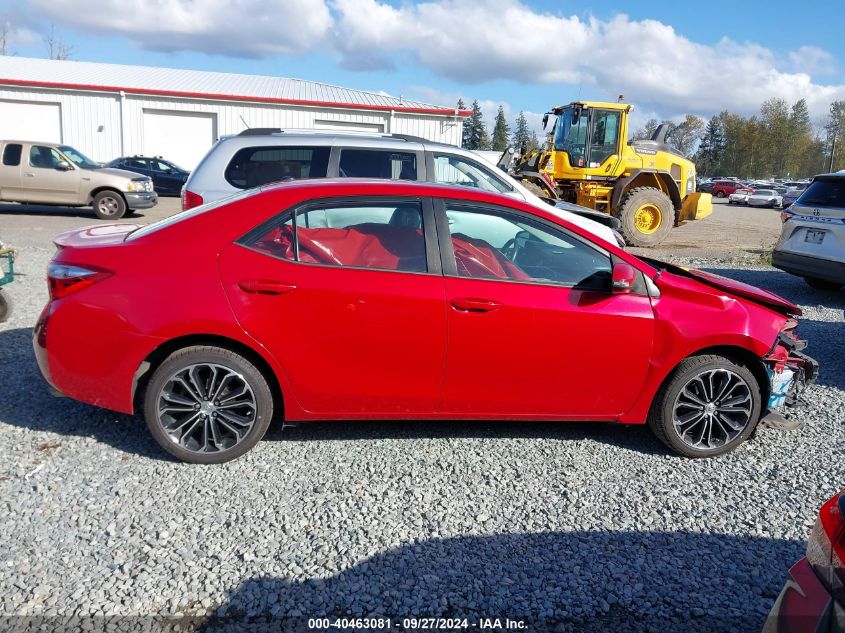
(588, 160)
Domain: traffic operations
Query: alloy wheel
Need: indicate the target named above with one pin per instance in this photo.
(207, 408)
(108, 206)
(712, 408)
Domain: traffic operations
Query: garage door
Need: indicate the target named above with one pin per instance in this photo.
(182, 137)
(30, 121)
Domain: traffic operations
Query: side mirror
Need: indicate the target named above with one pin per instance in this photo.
(63, 165)
(624, 278)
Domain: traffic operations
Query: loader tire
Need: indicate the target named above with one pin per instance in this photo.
(647, 216)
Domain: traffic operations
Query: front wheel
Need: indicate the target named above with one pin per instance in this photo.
(707, 407)
(109, 205)
(647, 215)
(207, 405)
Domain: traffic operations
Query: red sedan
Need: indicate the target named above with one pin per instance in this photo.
(347, 299)
(813, 598)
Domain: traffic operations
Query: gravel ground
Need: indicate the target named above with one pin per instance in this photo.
(567, 526)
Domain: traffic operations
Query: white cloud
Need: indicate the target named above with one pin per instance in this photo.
(812, 59)
(655, 67)
(646, 60)
(247, 28)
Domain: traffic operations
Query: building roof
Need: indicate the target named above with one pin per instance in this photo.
(200, 84)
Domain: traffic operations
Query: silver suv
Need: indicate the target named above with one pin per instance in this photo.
(259, 156)
(812, 242)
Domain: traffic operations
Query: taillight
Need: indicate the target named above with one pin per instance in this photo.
(64, 279)
(826, 547)
(190, 200)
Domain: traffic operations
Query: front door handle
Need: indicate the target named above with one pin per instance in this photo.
(29, 174)
(469, 304)
(265, 286)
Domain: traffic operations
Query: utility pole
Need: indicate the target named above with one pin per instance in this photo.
(832, 151)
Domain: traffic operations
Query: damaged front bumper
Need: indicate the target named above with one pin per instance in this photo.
(790, 371)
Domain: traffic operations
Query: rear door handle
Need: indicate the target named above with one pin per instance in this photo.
(265, 286)
(469, 304)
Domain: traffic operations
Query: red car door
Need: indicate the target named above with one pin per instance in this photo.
(351, 303)
(533, 329)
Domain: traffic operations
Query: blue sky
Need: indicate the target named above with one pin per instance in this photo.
(668, 58)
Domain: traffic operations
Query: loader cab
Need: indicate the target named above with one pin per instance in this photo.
(588, 135)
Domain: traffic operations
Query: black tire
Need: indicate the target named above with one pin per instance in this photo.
(109, 205)
(183, 447)
(823, 284)
(662, 415)
(633, 201)
(720, 194)
(5, 306)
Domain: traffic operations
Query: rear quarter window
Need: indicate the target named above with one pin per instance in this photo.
(825, 193)
(12, 154)
(255, 166)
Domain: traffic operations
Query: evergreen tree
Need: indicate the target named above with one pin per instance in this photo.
(501, 131)
(709, 155)
(466, 127)
(521, 138)
(476, 135)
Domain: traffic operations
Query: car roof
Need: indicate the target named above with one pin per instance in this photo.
(262, 136)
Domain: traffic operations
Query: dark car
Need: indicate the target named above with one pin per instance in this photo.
(706, 187)
(167, 177)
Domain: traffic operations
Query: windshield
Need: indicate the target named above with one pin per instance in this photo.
(764, 192)
(78, 158)
(571, 134)
(825, 193)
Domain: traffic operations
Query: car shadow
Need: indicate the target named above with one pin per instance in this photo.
(551, 581)
(826, 339)
(55, 210)
(25, 401)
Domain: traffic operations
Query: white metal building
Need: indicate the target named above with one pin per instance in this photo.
(110, 110)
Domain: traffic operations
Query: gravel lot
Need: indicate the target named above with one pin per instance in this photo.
(592, 526)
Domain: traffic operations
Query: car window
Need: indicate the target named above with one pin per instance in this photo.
(824, 193)
(12, 154)
(454, 170)
(372, 163)
(255, 166)
(157, 165)
(44, 157)
(764, 192)
(136, 163)
(490, 245)
(385, 236)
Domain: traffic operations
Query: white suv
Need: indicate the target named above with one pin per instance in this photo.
(256, 157)
(812, 242)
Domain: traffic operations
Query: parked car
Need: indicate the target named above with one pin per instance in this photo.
(740, 196)
(167, 177)
(792, 193)
(812, 240)
(354, 299)
(260, 156)
(764, 198)
(51, 173)
(813, 598)
(706, 186)
(724, 188)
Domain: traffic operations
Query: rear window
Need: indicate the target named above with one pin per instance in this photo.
(256, 166)
(12, 154)
(825, 193)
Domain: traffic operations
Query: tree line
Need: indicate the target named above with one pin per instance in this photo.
(778, 141)
(475, 135)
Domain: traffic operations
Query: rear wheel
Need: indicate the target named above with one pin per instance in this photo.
(109, 205)
(207, 405)
(720, 194)
(822, 284)
(707, 407)
(647, 215)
